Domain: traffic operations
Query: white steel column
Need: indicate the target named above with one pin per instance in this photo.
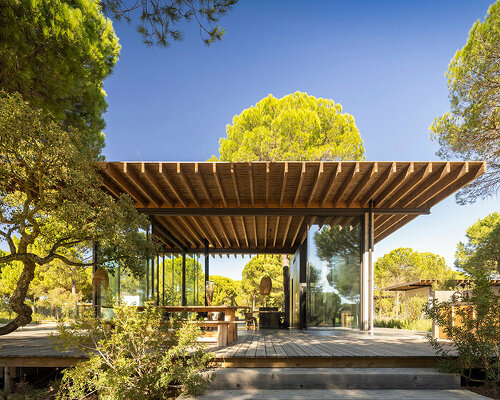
(366, 287)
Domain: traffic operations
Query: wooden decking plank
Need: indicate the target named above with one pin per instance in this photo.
(307, 344)
(241, 351)
(280, 351)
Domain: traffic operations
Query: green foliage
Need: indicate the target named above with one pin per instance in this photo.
(482, 250)
(472, 127)
(256, 269)
(340, 249)
(52, 206)
(56, 54)
(158, 19)
(295, 127)
(226, 291)
(414, 307)
(405, 265)
(424, 325)
(137, 356)
(475, 339)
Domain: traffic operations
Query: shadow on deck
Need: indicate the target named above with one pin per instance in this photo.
(32, 347)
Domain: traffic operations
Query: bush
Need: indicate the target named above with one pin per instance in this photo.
(474, 332)
(401, 323)
(137, 356)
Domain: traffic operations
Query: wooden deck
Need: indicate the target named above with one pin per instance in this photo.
(32, 347)
(328, 348)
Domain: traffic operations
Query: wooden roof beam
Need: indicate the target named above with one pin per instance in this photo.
(148, 177)
(397, 182)
(299, 185)
(201, 181)
(267, 184)
(171, 186)
(276, 230)
(250, 179)
(299, 227)
(187, 185)
(265, 231)
(212, 230)
(309, 223)
(219, 186)
(414, 181)
(345, 183)
(201, 229)
(464, 176)
(375, 188)
(174, 229)
(138, 184)
(245, 235)
(283, 184)
(126, 186)
(224, 232)
(333, 178)
(109, 184)
(235, 233)
(285, 234)
(315, 185)
(190, 229)
(255, 232)
(362, 183)
(235, 184)
(438, 178)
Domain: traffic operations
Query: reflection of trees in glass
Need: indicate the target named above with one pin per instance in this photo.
(340, 249)
(323, 306)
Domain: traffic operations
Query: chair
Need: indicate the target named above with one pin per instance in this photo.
(250, 321)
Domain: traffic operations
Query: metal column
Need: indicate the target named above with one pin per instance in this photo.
(207, 270)
(366, 323)
(184, 299)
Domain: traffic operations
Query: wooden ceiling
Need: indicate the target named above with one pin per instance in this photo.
(267, 206)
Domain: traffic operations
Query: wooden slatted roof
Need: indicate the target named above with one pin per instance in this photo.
(267, 206)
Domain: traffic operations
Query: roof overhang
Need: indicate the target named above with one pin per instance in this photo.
(252, 207)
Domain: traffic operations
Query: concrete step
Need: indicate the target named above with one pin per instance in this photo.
(337, 394)
(333, 378)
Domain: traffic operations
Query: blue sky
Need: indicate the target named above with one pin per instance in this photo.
(384, 61)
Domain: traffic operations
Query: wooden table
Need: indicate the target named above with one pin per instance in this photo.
(229, 314)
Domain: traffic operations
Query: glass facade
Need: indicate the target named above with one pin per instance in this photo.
(333, 275)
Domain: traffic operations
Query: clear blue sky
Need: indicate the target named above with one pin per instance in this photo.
(384, 61)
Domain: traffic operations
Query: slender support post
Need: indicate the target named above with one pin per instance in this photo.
(184, 299)
(157, 280)
(152, 261)
(371, 282)
(118, 281)
(207, 270)
(95, 289)
(367, 273)
(163, 286)
(147, 269)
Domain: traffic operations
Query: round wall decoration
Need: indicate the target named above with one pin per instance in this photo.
(265, 286)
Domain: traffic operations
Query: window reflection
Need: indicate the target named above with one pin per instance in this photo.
(333, 275)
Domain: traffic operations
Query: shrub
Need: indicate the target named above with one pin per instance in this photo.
(136, 356)
(401, 323)
(473, 328)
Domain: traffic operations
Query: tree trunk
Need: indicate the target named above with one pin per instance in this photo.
(16, 301)
(285, 260)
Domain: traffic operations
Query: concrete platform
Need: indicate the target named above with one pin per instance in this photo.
(338, 394)
(333, 378)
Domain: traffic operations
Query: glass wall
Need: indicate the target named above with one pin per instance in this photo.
(333, 275)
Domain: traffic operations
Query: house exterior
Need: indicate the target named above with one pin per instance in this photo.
(327, 214)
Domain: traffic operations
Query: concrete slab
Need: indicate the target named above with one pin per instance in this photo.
(337, 394)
